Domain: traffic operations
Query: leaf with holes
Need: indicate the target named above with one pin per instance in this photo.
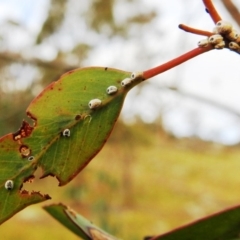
(72, 119)
(76, 223)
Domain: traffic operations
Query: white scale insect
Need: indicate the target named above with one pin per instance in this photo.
(222, 28)
(94, 103)
(112, 90)
(127, 81)
(66, 133)
(9, 184)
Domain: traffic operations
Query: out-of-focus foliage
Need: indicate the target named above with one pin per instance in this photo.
(25, 72)
(54, 19)
(77, 223)
(73, 33)
(149, 185)
(101, 14)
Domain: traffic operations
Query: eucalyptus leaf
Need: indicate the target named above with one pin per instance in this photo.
(72, 119)
(223, 225)
(77, 223)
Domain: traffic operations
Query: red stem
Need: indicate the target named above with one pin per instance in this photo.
(212, 10)
(195, 30)
(175, 62)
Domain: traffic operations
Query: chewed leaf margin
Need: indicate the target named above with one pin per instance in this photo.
(13, 169)
(72, 119)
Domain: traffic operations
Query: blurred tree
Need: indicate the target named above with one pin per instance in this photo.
(68, 36)
(53, 21)
(98, 15)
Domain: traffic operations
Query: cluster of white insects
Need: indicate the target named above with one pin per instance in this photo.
(223, 32)
(111, 90)
(129, 81)
(95, 103)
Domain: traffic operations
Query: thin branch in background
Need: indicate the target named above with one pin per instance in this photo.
(233, 10)
(202, 99)
(56, 64)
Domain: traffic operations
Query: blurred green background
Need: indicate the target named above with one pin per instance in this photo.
(146, 180)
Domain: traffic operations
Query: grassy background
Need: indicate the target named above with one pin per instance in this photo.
(143, 182)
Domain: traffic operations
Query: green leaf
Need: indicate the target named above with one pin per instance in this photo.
(63, 107)
(223, 225)
(77, 223)
(13, 167)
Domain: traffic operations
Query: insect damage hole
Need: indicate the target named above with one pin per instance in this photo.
(37, 183)
(66, 132)
(9, 184)
(25, 150)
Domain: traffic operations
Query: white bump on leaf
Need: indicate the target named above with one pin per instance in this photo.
(94, 103)
(30, 158)
(223, 27)
(9, 184)
(126, 82)
(66, 133)
(111, 90)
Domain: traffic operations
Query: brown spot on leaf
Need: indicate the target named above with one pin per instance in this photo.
(23, 132)
(24, 150)
(77, 117)
(24, 192)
